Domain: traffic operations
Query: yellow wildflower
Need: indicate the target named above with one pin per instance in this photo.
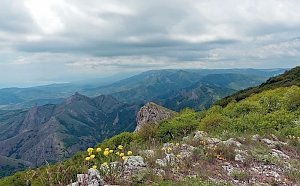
(92, 156)
(104, 164)
(120, 147)
(89, 150)
(106, 153)
(87, 158)
(129, 153)
(122, 154)
(98, 150)
(118, 153)
(111, 151)
(106, 149)
(95, 167)
(177, 144)
(124, 158)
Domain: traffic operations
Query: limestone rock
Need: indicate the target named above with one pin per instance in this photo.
(231, 141)
(147, 153)
(152, 113)
(279, 154)
(133, 163)
(200, 135)
(93, 178)
(161, 163)
(255, 137)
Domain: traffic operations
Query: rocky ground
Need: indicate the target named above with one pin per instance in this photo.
(253, 160)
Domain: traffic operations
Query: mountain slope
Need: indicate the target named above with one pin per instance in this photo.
(289, 78)
(54, 132)
(206, 91)
(10, 165)
(151, 84)
(197, 96)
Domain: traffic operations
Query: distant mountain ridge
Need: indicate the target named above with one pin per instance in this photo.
(149, 85)
(142, 87)
(54, 132)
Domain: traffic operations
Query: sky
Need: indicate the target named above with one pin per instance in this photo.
(52, 41)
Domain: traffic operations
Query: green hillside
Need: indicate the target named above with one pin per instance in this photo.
(269, 113)
(289, 78)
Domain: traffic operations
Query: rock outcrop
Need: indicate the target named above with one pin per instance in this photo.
(152, 113)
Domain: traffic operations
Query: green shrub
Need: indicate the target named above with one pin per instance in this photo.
(240, 175)
(147, 133)
(293, 98)
(179, 126)
(274, 111)
(214, 123)
(124, 138)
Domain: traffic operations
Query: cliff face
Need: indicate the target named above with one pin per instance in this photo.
(152, 113)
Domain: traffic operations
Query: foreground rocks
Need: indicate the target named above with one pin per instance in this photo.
(252, 160)
(93, 178)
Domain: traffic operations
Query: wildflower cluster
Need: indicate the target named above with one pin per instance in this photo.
(171, 150)
(97, 156)
(293, 137)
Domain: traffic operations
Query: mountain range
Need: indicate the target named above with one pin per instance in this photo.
(54, 132)
(55, 127)
(143, 87)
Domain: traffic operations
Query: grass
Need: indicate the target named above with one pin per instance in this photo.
(240, 175)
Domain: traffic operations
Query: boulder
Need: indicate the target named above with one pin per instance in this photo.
(93, 178)
(233, 142)
(200, 136)
(134, 163)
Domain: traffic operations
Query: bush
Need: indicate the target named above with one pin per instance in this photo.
(214, 123)
(179, 126)
(124, 138)
(274, 111)
(147, 133)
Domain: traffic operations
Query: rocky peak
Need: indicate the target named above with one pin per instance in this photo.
(152, 113)
(75, 97)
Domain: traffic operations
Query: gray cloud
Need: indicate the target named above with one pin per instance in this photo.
(76, 39)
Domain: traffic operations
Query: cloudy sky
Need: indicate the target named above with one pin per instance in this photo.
(44, 41)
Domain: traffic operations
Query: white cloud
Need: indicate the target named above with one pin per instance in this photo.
(76, 38)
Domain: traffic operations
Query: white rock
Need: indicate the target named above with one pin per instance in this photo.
(148, 153)
(161, 162)
(231, 141)
(228, 167)
(269, 142)
(280, 154)
(134, 163)
(213, 141)
(93, 178)
(239, 158)
(200, 135)
(255, 137)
